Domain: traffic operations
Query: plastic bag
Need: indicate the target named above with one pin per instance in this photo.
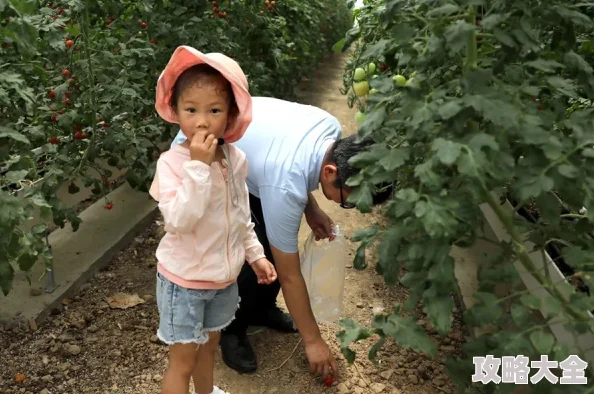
(323, 268)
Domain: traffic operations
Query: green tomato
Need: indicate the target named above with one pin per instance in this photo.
(373, 91)
(359, 74)
(361, 88)
(359, 117)
(371, 68)
(399, 79)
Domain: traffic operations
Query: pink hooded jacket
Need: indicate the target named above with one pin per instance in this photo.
(209, 231)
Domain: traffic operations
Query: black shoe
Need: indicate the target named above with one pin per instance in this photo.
(238, 353)
(275, 319)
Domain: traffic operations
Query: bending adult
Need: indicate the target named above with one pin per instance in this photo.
(291, 149)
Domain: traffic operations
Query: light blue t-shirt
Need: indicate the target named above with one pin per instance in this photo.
(285, 146)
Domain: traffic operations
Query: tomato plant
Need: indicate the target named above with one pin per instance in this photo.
(77, 80)
(477, 103)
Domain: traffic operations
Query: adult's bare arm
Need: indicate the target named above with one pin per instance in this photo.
(295, 293)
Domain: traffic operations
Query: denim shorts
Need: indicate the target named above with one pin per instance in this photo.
(187, 315)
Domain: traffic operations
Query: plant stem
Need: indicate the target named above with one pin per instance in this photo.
(87, 48)
(471, 48)
(523, 257)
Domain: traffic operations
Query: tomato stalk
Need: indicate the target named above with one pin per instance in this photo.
(522, 254)
(87, 49)
(471, 47)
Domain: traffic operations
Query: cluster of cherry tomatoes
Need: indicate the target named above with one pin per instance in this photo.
(217, 12)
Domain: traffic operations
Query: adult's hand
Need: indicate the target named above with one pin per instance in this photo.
(320, 223)
(320, 358)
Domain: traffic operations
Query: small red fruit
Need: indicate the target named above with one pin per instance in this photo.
(66, 101)
(143, 26)
(52, 93)
(67, 94)
(60, 11)
(105, 125)
(66, 73)
(78, 135)
(54, 117)
(54, 17)
(328, 381)
(69, 43)
(77, 127)
(70, 80)
(383, 67)
(108, 206)
(54, 140)
(215, 4)
(154, 42)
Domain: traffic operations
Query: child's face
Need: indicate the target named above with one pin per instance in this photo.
(203, 106)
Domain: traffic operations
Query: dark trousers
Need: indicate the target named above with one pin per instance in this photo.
(254, 297)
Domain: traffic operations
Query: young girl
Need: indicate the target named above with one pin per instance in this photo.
(202, 194)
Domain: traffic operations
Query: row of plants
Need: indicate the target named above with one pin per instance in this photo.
(77, 87)
(478, 103)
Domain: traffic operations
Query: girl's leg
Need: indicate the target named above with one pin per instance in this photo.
(204, 367)
(182, 361)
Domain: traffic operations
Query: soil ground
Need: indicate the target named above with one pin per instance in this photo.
(89, 347)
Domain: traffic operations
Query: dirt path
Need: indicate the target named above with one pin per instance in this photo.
(89, 347)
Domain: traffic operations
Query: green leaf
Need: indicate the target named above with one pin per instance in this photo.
(426, 174)
(549, 66)
(16, 176)
(568, 171)
(360, 261)
(405, 332)
(439, 311)
(409, 195)
(351, 332)
(486, 311)
(530, 301)
(457, 35)
(447, 151)
(449, 109)
(551, 307)
(27, 260)
(521, 315)
(6, 276)
(576, 62)
(573, 16)
(564, 86)
(15, 135)
(542, 341)
(376, 347)
(24, 7)
(337, 48)
(444, 10)
(530, 186)
(376, 49)
(395, 159)
(579, 258)
(365, 234)
(361, 196)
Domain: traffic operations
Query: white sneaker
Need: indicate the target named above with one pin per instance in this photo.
(216, 390)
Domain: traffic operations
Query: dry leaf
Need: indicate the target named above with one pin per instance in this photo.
(19, 378)
(124, 301)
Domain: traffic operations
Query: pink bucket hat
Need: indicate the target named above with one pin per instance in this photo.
(185, 57)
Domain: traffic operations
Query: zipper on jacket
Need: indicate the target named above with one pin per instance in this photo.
(228, 222)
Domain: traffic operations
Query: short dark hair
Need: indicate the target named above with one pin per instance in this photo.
(340, 154)
(202, 73)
